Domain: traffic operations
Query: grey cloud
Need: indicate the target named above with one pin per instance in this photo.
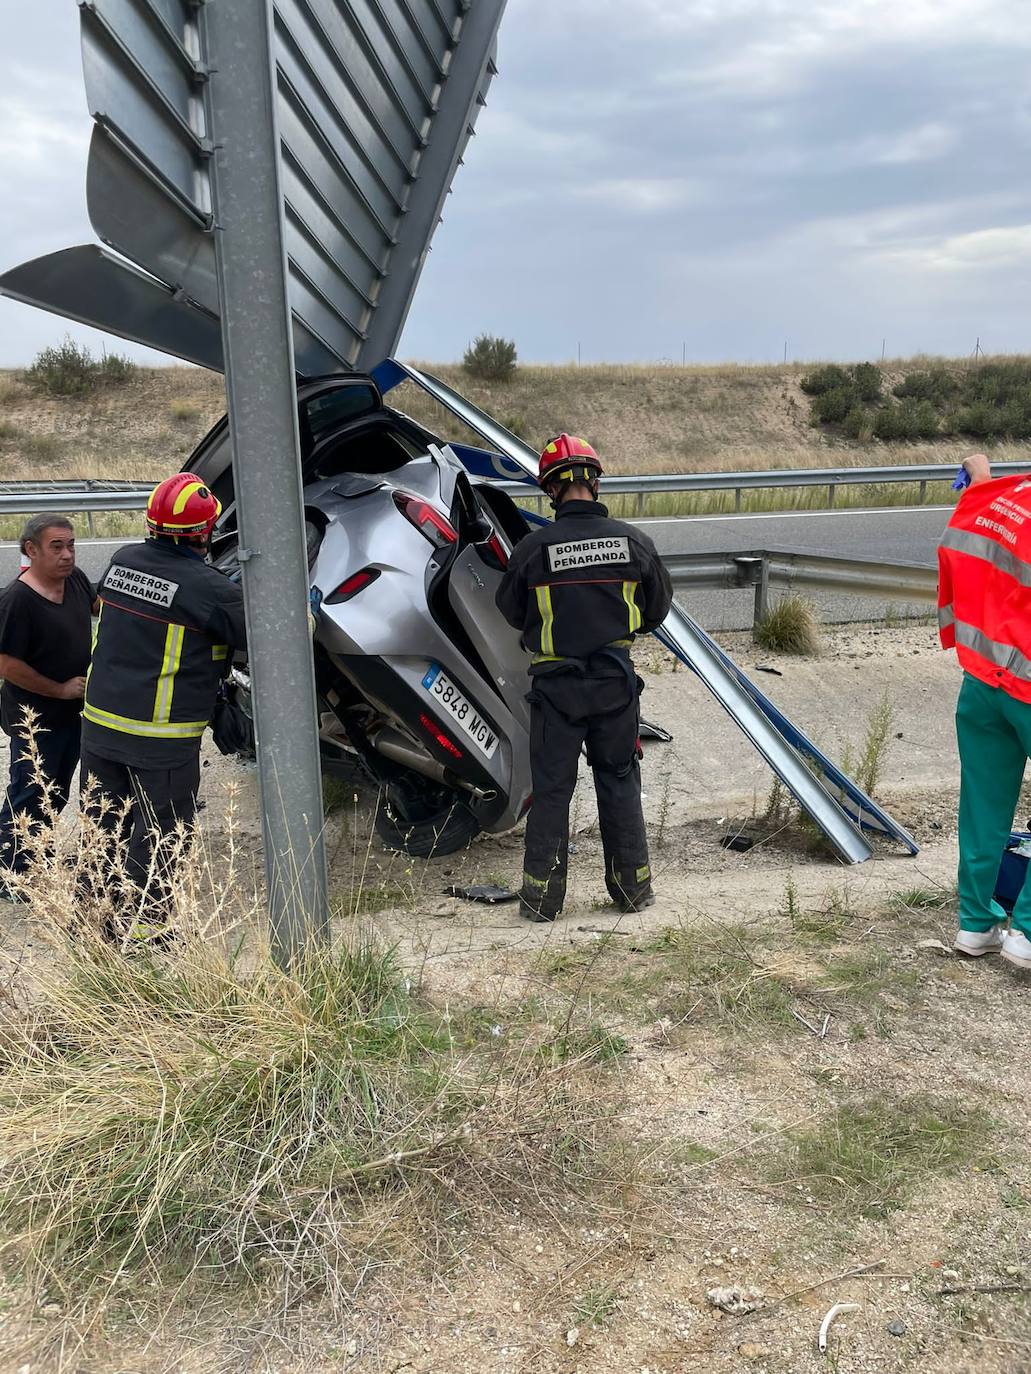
(716, 172)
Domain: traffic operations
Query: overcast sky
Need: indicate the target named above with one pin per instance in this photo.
(725, 175)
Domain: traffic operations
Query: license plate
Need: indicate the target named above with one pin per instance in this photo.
(461, 710)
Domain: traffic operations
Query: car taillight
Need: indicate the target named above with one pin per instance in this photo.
(498, 550)
(428, 521)
(356, 583)
(431, 728)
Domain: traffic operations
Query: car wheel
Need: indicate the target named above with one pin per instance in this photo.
(425, 821)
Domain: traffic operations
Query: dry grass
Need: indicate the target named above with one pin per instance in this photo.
(197, 1117)
(789, 627)
(138, 431)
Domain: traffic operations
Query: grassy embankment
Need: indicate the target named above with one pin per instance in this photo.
(642, 419)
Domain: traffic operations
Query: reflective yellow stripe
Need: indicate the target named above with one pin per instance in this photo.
(93, 643)
(219, 652)
(189, 490)
(149, 729)
(547, 615)
(166, 681)
(635, 619)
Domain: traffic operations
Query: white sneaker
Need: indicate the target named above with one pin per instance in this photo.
(977, 942)
(1017, 949)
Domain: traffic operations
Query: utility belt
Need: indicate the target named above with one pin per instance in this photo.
(617, 652)
(592, 666)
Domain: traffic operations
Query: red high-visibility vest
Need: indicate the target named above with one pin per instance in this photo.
(984, 584)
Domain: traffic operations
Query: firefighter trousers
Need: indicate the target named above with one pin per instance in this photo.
(994, 734)
(568, 710)
(146, 816)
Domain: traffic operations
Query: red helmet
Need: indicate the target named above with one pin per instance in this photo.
(568, 459)
(183, 507)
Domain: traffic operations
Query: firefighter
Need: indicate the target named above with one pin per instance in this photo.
(167, 628)
(984, 612)
(580, 589)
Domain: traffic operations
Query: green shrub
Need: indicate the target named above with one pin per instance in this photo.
(490, 358)
(935, 385)
(888, 423)
(910, 420)
(921, 419)
(858, 424)
(829, 407)
(1015, 418)
(982, 419)
(827, 378)
(115, 368)
(64, 370)
(867, 379)
(70, 369)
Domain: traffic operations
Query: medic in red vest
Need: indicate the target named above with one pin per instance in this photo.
(984, 613)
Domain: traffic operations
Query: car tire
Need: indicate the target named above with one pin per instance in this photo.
(425, 823)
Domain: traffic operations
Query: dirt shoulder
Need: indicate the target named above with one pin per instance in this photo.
(795, 1081)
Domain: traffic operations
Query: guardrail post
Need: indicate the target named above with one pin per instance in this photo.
(640, 504)
(762, 594)
(832, 488)
(737, 498)
(923, 493)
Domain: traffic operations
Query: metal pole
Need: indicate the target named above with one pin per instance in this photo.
(258, 343)
(761, 608)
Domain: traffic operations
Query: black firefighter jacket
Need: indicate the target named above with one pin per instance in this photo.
(167, 628)
(583, 583)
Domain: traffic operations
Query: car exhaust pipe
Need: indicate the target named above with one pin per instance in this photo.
(399, 749)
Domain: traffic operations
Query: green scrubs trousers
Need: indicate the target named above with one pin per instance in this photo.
(994, 734)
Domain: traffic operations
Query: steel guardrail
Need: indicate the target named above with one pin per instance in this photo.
(72, 500)
(17, 498)
(737, 482)
(766, 569)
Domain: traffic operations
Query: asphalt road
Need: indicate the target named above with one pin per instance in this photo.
(903, 535)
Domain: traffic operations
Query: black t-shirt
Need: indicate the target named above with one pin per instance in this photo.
(53, 639)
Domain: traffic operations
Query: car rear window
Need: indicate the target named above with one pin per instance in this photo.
(329, 409)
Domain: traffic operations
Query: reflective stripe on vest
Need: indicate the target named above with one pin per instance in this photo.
(146, 729)
(1001, 655)
(174, 637)
(946, 617)
(630, 597)
(989, 551)
(547, 615)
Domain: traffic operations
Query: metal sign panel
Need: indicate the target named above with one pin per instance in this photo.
(377, 100)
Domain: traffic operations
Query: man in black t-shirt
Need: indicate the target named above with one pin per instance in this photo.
(45, 627)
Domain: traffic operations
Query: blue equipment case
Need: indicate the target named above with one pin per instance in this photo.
(1012, 871)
